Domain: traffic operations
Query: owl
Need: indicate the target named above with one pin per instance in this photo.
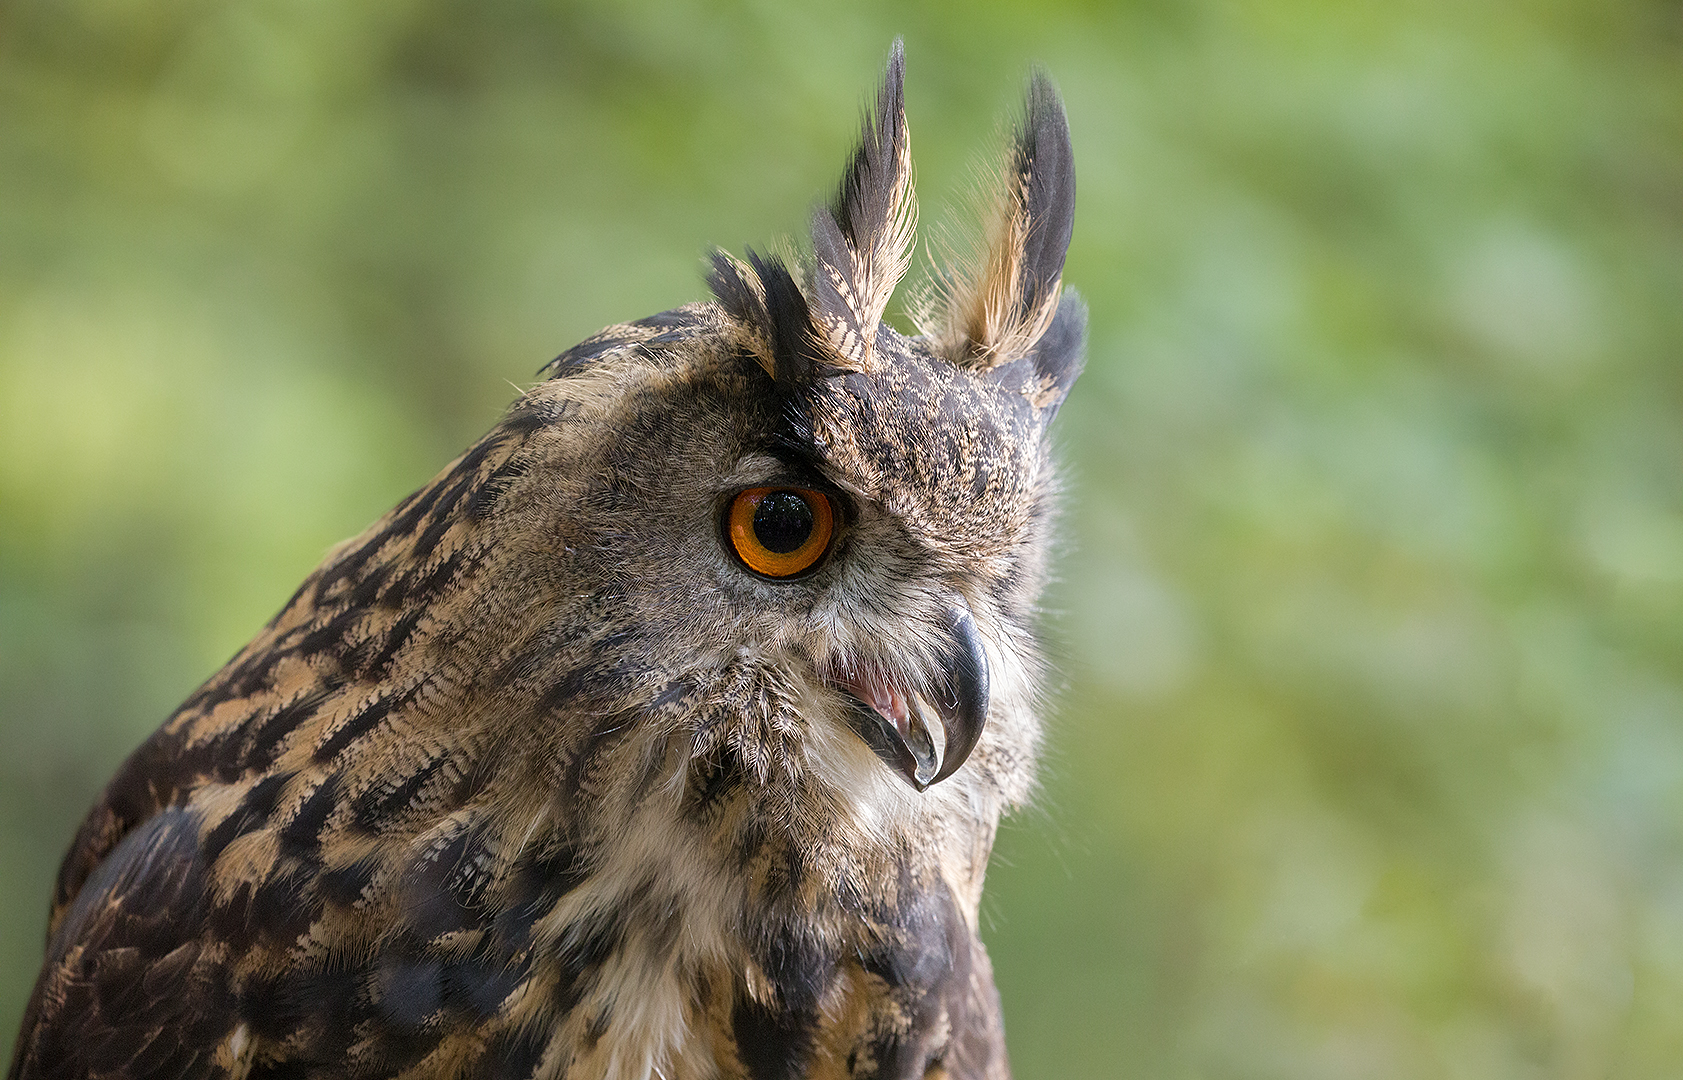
(663, 734)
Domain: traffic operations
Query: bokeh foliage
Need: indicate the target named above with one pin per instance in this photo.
(1369, 761)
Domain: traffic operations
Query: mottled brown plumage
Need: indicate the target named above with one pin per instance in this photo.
(535, 778)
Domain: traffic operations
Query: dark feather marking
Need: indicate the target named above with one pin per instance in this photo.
(351, 563)
(405, 521)
(484, 498)
(252, 813)
(207, 761)
(676, 319)
(291, 1069)
(773, 1043)
(114, 1052)
(306, 586)
(537, 885)
(782, 315)
(785, 874)
(280, 1004)
(526, 418)
(278, 910)
(527, 661)
(865, 199)
(161, 857)
(445, 890)
(248, 678)
(398, 592)
(863, 215)
(480, 984)
(437, 505)
(674, 693)
(150, 779)
(752, 835)
(432, 583)
(366, 590)
(1059, 354)
(597, 1028)
(583, 952)
(376, 806)
(364, 721)
(585, 353)
(152, 1057)
(404, 503)
(408, 992)
(713, 779)
(581, 681)
(440, 524)
(670, 337)
(470, 463)
(735, 293)
(344, 885)
(797, 965)
(396, 638)
(253, 674)
(470, 783)
(679, 326)
(398, 1051)
(330, 637)
(300, 838)
(926, 960)
(116, 978)
(607, 733)
(793, 335)
(267, 735)
(356, 655)
(972, 1001)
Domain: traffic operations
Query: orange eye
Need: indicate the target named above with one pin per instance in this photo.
(780, 532)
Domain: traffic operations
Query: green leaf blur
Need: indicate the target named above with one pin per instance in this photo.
(1368, 762)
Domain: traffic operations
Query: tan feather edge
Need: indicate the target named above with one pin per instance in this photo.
(968, 311)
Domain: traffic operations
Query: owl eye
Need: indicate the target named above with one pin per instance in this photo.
(780, 532)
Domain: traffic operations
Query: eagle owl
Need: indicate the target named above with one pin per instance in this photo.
(663, 734)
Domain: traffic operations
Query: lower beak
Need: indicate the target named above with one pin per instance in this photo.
(927, 737)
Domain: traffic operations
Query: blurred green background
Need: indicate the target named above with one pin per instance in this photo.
(1369, 758)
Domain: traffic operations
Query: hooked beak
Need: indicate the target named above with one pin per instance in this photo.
(900, 724)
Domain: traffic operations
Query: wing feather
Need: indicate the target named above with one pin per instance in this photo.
(129, 988)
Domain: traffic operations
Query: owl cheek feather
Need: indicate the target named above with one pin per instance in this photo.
(899, 724)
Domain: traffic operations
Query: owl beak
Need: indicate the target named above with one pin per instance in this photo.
(927, 737)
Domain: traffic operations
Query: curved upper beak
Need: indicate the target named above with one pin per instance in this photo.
(927, 737)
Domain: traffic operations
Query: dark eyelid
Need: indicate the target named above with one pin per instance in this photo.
(797, 470)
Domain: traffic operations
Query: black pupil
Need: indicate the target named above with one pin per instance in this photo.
(782, 522)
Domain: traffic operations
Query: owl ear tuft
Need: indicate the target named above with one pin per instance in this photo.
(761, 295)
(862, 242)
(1002, 304)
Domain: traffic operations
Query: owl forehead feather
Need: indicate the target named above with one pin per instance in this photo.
(1001, 306)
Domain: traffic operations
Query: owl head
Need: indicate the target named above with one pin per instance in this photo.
(765, 543)
(818, 541)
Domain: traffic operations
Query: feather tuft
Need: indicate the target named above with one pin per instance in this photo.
(996, 305)
(862, 242)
